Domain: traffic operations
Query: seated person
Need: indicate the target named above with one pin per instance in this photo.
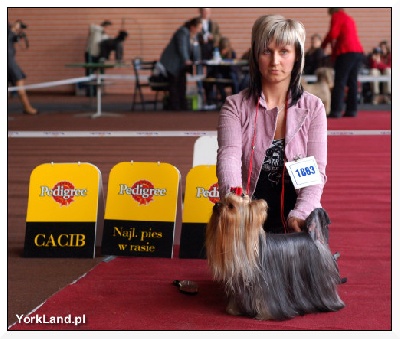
(380, 62)
(222, 72)
(244, 83)
(315, 56)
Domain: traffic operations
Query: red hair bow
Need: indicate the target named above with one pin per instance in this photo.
(237, 190)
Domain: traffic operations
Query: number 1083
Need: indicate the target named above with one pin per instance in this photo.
(308, 170)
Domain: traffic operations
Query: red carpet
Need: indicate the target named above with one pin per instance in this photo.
(365, 120)
(137, 293)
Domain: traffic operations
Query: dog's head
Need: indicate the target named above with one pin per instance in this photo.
(317, 225)
(232, 236)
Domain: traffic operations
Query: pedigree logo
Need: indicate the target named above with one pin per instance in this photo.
(63, 192)
(212, 193)
(142, 191)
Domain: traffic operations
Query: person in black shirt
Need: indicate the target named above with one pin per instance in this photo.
(314, 56)
(15, 75)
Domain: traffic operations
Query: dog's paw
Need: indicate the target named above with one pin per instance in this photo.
(232, 308)
(260, 316)
(262, 312)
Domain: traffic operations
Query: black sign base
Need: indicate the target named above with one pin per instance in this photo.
(138, 238)
(192, 241)
(60, 239)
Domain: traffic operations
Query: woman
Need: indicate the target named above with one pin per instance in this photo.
(176, 58)
(272, 121)
(381, 63)
(314, 57)
(15, 75)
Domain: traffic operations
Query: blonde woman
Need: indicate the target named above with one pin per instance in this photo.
(272, 122)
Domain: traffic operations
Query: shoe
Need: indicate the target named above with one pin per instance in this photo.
(30, 113)
(337, 116)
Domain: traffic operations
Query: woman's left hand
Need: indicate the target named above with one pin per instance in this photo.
(296, 224)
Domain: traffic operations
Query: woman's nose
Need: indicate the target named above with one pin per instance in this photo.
(275, 58)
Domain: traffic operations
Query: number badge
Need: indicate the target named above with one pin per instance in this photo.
(304, 172)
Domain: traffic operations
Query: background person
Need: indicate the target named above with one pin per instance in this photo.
(15, 75)
(96, 34)
(380, 62)
(315, 55)
(206, 40)
(230, 72)
(347, 54)
(285, 123)
(244, 82)
(209, 36)
(176, 58)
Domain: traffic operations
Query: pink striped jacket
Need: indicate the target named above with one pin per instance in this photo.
(306, 135)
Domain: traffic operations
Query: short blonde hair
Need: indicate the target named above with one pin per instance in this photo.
(266, 29)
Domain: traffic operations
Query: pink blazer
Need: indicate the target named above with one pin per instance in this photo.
(306, 135)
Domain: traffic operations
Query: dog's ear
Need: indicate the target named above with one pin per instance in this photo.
(260, 208)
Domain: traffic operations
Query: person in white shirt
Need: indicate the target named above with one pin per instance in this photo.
(97, 33)
(209, 36)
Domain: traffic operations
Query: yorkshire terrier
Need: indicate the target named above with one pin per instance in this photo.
(271, 276)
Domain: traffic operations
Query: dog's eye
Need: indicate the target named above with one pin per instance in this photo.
(230, 206)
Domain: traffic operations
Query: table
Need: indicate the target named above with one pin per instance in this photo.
(240, 64)
(98, 67)
(226, 62)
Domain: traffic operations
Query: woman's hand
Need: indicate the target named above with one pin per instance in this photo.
(296, 224)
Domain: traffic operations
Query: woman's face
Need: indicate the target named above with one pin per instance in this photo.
(383, 48)
(194, 30)
(316, 42)
(276, 63)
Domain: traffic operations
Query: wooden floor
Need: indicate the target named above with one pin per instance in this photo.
(32, 280)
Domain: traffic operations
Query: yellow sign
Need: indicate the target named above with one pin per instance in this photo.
(142, 191)
(201, 194)
(64, 192)
(63, 210)
(141, 209)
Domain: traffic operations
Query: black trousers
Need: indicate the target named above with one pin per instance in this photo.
(91, 90)
(346, 71)
(177, 91)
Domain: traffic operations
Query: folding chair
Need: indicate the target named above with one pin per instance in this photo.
(143, 70)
